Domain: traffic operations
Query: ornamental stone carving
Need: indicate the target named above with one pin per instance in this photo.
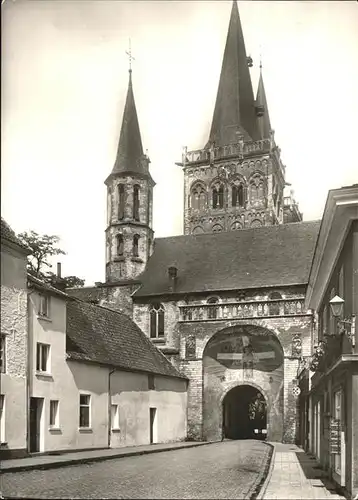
(296, 345)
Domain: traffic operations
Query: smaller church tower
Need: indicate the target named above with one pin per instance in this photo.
(129, 233)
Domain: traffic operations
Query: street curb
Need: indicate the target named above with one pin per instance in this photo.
(263, 489)
(80, 461)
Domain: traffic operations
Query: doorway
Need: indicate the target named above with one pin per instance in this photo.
(36, 409)
(152, 425)
(244, 413)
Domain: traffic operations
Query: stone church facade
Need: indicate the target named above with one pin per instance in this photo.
(225, 301)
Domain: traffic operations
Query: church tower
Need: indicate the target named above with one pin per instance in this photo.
(237, 180)
(129, 233)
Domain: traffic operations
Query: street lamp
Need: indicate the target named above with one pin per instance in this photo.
(337, 309)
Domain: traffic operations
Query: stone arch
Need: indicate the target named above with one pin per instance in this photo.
(198, 195)
(197, 230)
(237, 355)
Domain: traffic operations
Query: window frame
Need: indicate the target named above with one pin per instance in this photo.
(119, 245)
(121, 200)
(56, 423)
(157, 327)
(44, 312)
(136, 190)
(41, 347)
(115, 425)
(135, 250)
(3, 353)
(85, 406)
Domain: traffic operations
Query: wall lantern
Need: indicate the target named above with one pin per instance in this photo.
(336, 305)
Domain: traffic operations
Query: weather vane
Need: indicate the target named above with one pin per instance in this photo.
(130, 57)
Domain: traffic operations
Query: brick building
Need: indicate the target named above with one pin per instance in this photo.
(225, 301)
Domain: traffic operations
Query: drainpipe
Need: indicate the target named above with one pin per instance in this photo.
(28, 367)
(109, 407)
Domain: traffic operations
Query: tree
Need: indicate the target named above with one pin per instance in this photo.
(42, 247)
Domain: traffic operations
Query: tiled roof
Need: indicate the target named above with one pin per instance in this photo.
(91, 294)
(100, 335)
(8, 234)
(46, 287)
(249, 258)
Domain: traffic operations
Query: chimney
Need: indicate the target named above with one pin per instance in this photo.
(58, 281)
(173, 275)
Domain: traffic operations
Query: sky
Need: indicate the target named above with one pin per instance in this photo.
(64, 83)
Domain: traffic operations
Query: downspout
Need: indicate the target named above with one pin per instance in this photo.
(28, 369)
(109, 407)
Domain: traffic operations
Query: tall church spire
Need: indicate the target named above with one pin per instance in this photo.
(234, 112)
(130, 150)
(262, 110)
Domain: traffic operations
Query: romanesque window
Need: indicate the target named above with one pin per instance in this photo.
(197, 230)
(218, 196)
(274, 307)
(257, 189)
(136, 245)
(108, 249)
(136, 202)
(236, 225)
(109, 205)
(256, 223)
(121, 201)
(198, 197)
(213, 308)
(119, 244)
(237, 196)
(217, 228)
(156, 312)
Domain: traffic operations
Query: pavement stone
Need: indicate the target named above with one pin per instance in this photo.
(293, 476)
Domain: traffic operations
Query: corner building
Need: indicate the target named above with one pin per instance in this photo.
(225, 301)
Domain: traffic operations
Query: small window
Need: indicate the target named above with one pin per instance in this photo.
(237, 196)
(2, 354)
(119, 244)
(2, 418)
(44, 306)
(115, 417)
(85, 401)
(43, 358)
(54, 415)
(218, 196)
(151, 382)
(274, 307)
(136, 202)
(156, 321)
(121, 201)
(136, 245)
(213, 309)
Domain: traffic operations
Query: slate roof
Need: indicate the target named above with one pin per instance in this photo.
(8, 234)
(235, 105)
(87, 293)
(104, 336)
(262, 100)
(248, 258)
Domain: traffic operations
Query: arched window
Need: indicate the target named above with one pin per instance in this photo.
(257, 190)
(119, 244)
(135, 245)
(109, 205)
(237, 196)
(274, 307)
(121, 201)
(218, 196)
(197, 230)
(136, 202)
(108, 249)
(198, 197)
(156, 312)
(217, 228)
(213, 309)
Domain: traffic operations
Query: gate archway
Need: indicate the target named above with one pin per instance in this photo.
(243, 355)
(244, 413)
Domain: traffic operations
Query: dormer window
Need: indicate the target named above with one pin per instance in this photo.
(44, 305)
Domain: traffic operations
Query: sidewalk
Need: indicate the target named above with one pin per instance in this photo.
(295, 475)
(82, 457)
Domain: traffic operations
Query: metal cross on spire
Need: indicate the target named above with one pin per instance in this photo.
(130, 57)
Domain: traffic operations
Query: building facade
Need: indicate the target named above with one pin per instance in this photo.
(330, 401)
(223, 302)
(13, 348)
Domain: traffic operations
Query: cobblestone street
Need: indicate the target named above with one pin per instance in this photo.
(231, 469)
